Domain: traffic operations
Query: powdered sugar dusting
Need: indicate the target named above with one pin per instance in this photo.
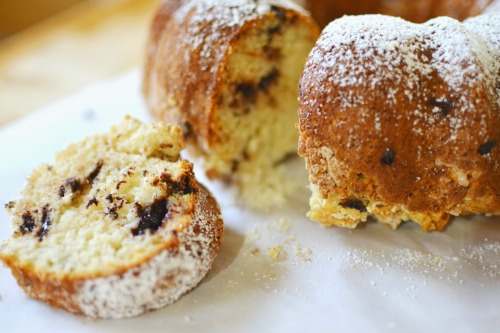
(369, 51)
(210, 20)
(160, 281)
(427, 93)
(111, 296)
(483, 258)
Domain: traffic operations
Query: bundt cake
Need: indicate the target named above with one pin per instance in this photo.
(324, 11)
(401, 121)
(227, 72)
(116, 226)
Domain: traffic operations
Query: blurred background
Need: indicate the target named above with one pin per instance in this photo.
(51, 48)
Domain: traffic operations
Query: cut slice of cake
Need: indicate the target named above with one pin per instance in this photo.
(116, 226)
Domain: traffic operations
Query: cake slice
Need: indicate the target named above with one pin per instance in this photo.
(116, 226)
(227, 72)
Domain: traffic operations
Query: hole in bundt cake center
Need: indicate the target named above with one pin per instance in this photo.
(414, 11)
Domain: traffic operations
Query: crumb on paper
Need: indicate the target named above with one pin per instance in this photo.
(263, 276)
(277, 253)
(289, 239)
(282, 224)
(252, 235)
(303, 253)
(255, 251)
(188, 319)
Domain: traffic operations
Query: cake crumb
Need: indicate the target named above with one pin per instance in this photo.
(255, 251)
(252, 235)
(282, 224)
(289, 239)
(277, 253)
(304, 253)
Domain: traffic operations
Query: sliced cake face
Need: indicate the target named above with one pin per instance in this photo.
(110, 211)
(400, 120)
(254, 121)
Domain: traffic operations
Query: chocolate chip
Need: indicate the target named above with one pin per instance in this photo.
(46, 222)
(246, 89)
(93, 174)
(446, 106)
(156, 181)
(486, 148)
(91, 202)
(112, 213)
(74, 184)
(388, 157)
(62, 191)
(354, 204)
(120, 184)
(279, 12)
(28, 223)
(150, 217)
(267, 80)
(184, 185)
(281, 16)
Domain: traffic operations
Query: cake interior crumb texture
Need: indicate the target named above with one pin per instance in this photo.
(257, 116)
(81, 215)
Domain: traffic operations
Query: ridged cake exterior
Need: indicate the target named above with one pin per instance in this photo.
(401, 121)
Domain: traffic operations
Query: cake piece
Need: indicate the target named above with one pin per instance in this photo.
(116, 226)
(227, 72)
(401, 121)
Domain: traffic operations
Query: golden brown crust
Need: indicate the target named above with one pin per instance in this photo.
(64, 293)
(161, 17)
(189, 99)
(376, 136)
(416, 11)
